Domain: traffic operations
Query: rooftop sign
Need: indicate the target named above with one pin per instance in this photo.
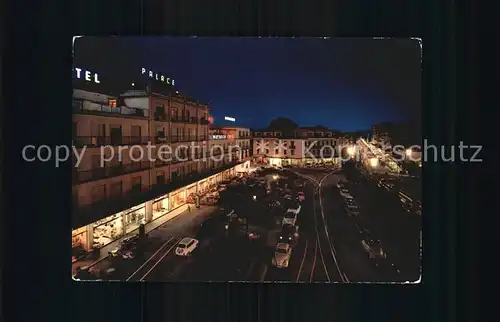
(227, 118)
(87, 75)
(219, 137)
(158, 77)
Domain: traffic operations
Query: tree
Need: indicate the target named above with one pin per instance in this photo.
(283, 124)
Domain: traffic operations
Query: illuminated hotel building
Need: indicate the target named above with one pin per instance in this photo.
(306, 145)
(128, 134)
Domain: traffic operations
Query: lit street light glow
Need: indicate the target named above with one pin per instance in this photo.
(408, 152)
(275, 177)
(351, 150)
(374, 162)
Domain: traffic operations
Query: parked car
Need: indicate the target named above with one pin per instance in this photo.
(289, 234)
(345, 193)
(374, 248)
(282, 255)
(186, 246)
(295, 208)
(78, 253)
(290, 218)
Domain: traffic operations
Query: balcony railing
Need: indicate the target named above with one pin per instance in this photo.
(161, 139)
(188, 120)
(178, 119)
(97, 141)
(87, 214)
(108, 172)
(87, 107)
(187, 138)
(160, 117)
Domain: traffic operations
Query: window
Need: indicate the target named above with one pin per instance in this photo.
(292, 152)
(258, 151)
(116, 134)
(160, 132)
(116, 189)
(284, 152)
(98, 193)
(112, 102)
(96, 161)
(136, 134)
(77, 105)
(136, 184)
(159, 112)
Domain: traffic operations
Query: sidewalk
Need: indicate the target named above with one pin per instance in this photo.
(184, 224)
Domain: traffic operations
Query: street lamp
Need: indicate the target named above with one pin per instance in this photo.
(408, 152)
(374, 162)
(275, 177)
(254, 197)
(351, 150)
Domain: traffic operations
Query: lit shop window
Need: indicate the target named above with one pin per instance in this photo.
(112, 102)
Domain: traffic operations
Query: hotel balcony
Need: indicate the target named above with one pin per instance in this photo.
(187, 138)
(89, 213)
(160, 117)
(86, 107)
(108, 172)
(187, 120)
(179, 119)
(98, 141)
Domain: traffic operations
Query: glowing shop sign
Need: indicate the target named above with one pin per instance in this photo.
(227, 118)
(158, 77)
(219, 137)
(87, 75)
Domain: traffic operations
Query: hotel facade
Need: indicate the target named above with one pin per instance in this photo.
(306, 145)
(143, 157)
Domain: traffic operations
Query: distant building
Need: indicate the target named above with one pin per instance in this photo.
(305, 145)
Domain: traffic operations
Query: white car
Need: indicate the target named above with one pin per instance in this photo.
(345, 193)
(290, 218)
(354, 213)
(301, 196)
(282, 255)
(295, 209)
(186, 246)
(373, 248)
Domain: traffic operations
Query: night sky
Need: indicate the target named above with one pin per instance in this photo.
(344, 84)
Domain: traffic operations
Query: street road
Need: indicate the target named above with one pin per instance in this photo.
(328, 249)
